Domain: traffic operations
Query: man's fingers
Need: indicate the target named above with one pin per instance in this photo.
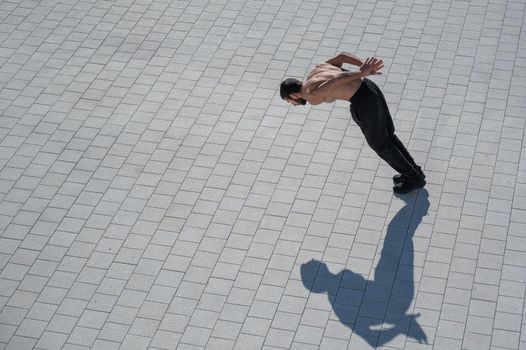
(372, 65)
(378, 65)
(373, 60)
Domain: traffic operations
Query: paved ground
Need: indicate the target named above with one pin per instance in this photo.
(157, 193)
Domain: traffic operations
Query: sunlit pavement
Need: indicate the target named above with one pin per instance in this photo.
(157, 193)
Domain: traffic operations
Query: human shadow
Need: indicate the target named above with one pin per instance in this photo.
(377, 309)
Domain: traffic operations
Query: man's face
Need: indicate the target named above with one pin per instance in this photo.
(295, 100)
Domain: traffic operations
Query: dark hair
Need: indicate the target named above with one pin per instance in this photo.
(289, 86)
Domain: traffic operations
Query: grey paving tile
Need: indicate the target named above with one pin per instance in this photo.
(505, 338)
(51, 340)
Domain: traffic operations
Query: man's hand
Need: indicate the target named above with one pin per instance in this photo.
(371, 66)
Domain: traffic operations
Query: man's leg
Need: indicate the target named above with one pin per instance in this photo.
(378, 129)
(396, 141)
(399, 177)
(378, 134)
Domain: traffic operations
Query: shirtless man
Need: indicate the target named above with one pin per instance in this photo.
(328, 82)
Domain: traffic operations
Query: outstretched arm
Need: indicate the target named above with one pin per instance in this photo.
(345, 57)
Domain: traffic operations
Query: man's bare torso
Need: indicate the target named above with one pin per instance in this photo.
(322, 73)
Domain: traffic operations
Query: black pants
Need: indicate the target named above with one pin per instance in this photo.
(369, 110)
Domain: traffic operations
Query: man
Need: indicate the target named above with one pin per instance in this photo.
(328, 82)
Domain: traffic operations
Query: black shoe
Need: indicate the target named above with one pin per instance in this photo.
(400, 177)
(409, 183)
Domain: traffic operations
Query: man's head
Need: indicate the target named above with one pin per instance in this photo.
(290, 91)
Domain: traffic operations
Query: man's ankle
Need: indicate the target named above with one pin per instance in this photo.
(413, 172)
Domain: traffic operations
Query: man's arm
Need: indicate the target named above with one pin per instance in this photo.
(345, 57)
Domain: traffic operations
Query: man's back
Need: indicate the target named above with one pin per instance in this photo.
(322, 74)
